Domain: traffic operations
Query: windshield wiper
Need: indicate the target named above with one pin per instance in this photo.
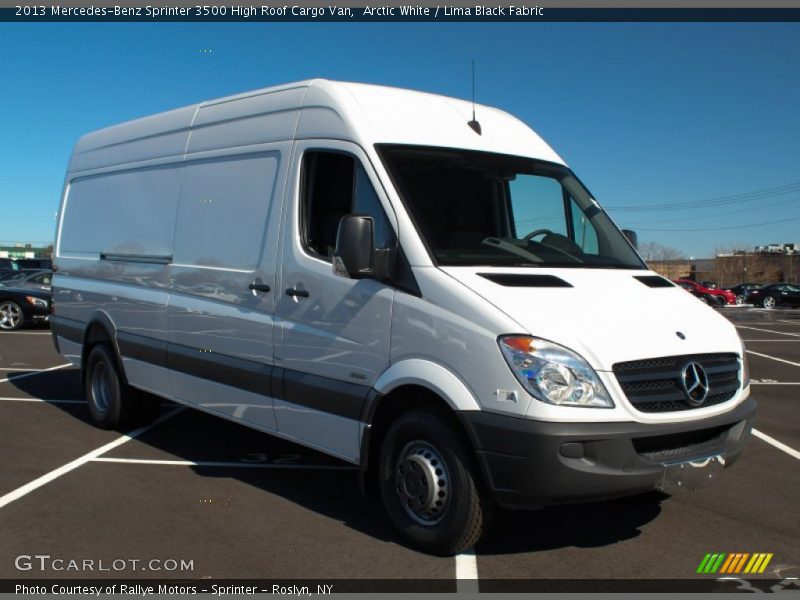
(508, 247)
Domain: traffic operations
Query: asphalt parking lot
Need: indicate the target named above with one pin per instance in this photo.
(243, 505)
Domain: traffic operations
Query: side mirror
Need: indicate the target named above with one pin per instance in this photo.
(355, 247)
(632, 236)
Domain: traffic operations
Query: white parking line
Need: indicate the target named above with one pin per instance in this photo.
(776, 443)
(31, 374)
(768, 330)
(70, 466)
(41, 400)
(26, 333)
(791, 322)
(748, 341)
(467, 572)
(774, 382)
(783, 360)
(26, 368)
(213, 463)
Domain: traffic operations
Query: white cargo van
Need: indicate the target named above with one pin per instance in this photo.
(365, 271)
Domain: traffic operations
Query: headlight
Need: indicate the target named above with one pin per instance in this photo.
(745, 366)
(553, 374)
(36, 301)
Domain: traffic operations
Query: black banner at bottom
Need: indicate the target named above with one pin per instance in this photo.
(222, 587)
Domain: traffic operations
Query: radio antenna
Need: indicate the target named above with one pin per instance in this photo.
(474, 125)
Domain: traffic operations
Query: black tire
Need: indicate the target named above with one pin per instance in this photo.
(709, 300)
(769, 302)
(11, 316)
(425, 437)
(112, 403)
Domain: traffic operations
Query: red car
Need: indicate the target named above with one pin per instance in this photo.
(723, 296)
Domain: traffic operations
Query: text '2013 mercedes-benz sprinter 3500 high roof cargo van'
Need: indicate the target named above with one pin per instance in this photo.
(365, 271)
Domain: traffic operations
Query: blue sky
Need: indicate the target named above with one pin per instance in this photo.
(646, 114)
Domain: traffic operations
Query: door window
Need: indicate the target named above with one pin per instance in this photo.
(583, 230)
(334, 185)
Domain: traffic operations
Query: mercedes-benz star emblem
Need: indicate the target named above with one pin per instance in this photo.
(695, 383)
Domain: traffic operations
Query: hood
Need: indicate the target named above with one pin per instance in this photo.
(606, 315)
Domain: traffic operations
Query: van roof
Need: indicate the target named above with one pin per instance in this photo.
(312, 109)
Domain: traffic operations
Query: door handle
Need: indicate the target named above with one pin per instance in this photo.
(259, 287)
(296, 293)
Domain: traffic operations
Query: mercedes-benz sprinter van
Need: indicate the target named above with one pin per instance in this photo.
(376, 274)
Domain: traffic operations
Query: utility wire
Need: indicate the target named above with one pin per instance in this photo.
(722, 228)
(719, 201)
(727, 212)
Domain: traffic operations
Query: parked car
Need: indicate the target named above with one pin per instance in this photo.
(742, 290)
(20, 307)
(713, 301)
(776, 294)
(722, 297)
(35, 263)
(29, 279)
(362, 270)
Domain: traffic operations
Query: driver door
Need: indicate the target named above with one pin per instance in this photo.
(334, 332)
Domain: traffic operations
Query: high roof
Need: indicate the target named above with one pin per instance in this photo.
(318, 108)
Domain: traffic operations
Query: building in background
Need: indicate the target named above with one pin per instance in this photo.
(26, 250)
(730, 269)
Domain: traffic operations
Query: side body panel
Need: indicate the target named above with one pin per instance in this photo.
(226, 239)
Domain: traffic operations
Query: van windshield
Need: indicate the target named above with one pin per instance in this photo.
(478, 208)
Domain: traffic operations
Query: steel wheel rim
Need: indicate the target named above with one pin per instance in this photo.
(769, 302)
(422, 483)
(10, 315)
(101, 387)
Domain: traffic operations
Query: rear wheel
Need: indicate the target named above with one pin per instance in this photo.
(11, 317)
(430, 485)
(112, 403)
(769, 302)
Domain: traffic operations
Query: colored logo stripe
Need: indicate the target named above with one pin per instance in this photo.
(736, 562)
(711, 563)
(758, 563)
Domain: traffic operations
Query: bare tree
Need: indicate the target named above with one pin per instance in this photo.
(669, 262)
(659, 252)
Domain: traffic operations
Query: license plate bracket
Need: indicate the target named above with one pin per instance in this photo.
(691, 475)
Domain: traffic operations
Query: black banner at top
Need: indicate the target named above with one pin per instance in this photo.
(216, 11)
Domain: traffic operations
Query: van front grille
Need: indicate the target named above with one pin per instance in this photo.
(655, 384)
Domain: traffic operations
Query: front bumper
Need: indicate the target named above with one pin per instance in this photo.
(530, 463)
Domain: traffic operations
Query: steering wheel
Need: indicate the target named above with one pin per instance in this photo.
(534, 233)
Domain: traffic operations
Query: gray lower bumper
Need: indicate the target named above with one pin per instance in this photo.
(534, 463)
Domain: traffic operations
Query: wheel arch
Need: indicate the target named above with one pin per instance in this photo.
(101, 329)
(409, 385)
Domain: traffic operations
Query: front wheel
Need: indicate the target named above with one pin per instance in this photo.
(430, 485)
(769, 302)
